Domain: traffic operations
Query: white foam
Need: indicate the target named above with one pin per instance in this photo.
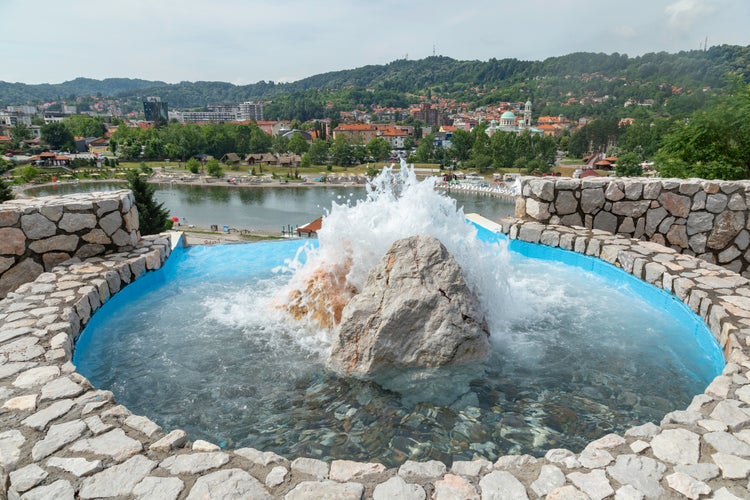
(399, 206)
(254, 311)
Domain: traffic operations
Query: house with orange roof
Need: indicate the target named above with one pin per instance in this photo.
(553, 120)
(552, 130)
(99, 145)
(50, 159)
(395, 136)
(272, 127)
(364, 131)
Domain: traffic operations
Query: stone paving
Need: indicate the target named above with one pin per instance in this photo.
(60, 438)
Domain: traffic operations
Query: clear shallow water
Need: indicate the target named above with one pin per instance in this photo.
(263, 208)
(200, 345)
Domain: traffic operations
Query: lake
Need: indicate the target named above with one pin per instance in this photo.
(263, 208)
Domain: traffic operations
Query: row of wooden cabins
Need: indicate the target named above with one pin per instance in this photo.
(269, 159)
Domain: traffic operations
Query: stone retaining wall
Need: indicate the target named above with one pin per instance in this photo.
(60, 438)
(708, 219)
(37, 234)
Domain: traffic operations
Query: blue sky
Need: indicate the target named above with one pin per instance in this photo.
(245, 41)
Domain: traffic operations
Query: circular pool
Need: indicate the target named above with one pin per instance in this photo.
(201, 345)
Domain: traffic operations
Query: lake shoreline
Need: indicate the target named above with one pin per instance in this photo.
(248, 215)
(166, 180)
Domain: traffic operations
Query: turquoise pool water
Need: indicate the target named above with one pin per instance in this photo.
(586, 349)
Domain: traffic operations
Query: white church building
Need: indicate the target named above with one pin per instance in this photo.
(510, 123)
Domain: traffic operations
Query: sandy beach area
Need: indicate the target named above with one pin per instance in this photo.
(203, 235)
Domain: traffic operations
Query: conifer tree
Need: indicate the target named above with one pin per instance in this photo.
(6, 192)
(153, 218)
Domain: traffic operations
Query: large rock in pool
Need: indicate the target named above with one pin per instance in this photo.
(415, 310)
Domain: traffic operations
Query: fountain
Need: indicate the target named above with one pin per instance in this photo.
(203, 345)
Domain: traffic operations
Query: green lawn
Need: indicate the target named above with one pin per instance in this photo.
(280, 172)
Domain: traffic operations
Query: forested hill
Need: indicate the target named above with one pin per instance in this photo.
(21, 93)
(688, 69)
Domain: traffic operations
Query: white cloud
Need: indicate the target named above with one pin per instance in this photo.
(683, 15)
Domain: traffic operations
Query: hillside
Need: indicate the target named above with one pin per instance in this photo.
(499, 79)
(22, 93)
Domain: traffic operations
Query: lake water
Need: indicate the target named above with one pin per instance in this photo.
(264, 208)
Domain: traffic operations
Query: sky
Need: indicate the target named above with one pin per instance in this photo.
(246, 41)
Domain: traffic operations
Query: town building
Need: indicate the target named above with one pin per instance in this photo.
(250, 110)
(222, 112)
(155, 110)
(428, 114)
(13, 118)
(396, 135)
(510, 123)
(363, 131)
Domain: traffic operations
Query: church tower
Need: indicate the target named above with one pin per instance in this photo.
(527, 115)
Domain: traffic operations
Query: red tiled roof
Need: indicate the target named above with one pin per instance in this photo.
(311, 227)
(590, 173)
(353, 127)
(395, 132)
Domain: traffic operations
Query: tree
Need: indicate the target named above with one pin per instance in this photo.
(297, 144)
(58, 136)
(153, 218)
(305, 160)
(29, 173)
(318, 152)
(145, 169)
(628, 165)
(193, 165)
(503, 149)
(279, 144)
(481, 161)
(379, 149)
(131, 150)
(342, 153)
(6, 192)
(425, 149)
(85, 125)
(214, 169)
(712, 144)
(461, 144)
(260, 142)
(18, 133)
(535, 166)
(153, 149)
(372, 172)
